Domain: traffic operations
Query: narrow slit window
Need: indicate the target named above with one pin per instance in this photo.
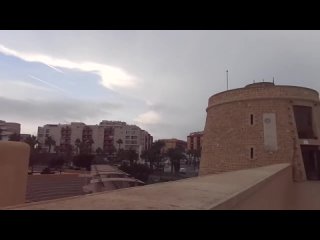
(251, 153)
(251, 119)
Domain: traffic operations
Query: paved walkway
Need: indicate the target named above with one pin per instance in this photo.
(306, 196)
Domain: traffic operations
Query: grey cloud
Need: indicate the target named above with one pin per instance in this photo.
(180, 70)
(54, 111)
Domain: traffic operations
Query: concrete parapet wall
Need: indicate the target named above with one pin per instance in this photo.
(258, 188)
(14, 160)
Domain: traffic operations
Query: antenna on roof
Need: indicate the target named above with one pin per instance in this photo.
(273, 80)
(227, 80)
(262, 80)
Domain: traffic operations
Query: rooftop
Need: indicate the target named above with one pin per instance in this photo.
(260, 84)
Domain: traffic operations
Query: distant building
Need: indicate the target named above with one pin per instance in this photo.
(194, 141)
(173, 143)
(104, 136)
(7, 129)
(23, 137)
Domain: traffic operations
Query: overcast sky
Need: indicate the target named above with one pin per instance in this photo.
(158, 80)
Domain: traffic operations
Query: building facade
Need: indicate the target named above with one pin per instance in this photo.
(173, 143)
(263, 124)
(7, 129)
(194, 141)
(24, 137)
(103, 136)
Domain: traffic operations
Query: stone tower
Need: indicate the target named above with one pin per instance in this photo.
(263, 124)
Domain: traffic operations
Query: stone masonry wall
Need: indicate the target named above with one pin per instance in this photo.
(229, 135)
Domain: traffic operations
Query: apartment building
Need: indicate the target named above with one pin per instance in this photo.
(194, 141)
(173, 143)
(24, 137)
(104, 135)
(7, 129)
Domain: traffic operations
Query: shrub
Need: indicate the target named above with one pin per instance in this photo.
(83, 161)
(138, 171)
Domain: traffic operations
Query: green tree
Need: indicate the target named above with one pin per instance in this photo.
(175, 155)
(138, 171)
(119, 141)
(132, 156)
(154, 154)
(34, 150)
(99, 151)
(83, 160)
(57, 149)
(122, 155)
(49, 142)
(32, 141)
(111, 150)
(88, 145)
(14, 137)
(68, 152)
(197, 155)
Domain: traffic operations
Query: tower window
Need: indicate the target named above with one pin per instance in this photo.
(303, 117)
(251, 153)
(251, 119)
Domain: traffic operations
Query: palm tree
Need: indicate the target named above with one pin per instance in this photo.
(119, 141)
(57, 149)
(132, 156)
(175, 155)
(78, 144)
(154, 153)
(49, 142)
(111, 150)
(32, 142)
(68, 153)
(89, 143)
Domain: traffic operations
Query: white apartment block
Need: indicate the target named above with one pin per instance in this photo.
(7, 129)
(104, 136)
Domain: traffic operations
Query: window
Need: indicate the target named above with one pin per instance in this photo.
(304, 124)
(251, 153)
(251, 119)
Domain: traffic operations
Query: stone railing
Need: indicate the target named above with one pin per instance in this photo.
(267, 187)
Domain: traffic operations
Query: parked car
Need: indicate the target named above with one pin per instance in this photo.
(47, 171)
(183, 171)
